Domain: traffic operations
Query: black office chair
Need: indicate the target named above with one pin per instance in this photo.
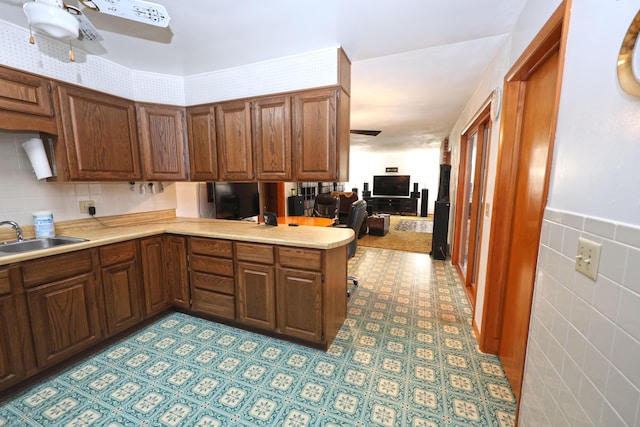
(326, 205)
(357, 214)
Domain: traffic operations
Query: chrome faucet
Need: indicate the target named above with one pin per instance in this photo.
(15, 227)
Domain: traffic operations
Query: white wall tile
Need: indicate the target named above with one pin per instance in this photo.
(587, 333)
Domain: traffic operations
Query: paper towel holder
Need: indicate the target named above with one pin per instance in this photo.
(37, 155)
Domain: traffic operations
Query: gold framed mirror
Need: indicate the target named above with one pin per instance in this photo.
(629, 59)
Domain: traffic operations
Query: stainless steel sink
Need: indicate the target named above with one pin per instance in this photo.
(29, 245)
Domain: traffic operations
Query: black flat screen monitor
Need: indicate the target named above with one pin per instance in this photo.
(391, 185)
(234, 200)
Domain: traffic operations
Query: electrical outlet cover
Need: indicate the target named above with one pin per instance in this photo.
(588, 258)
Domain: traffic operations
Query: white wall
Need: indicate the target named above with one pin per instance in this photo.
(21, 193)
(422, 164)
(584, 344)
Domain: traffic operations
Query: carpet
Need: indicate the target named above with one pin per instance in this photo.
(414, 226)
(408, 241)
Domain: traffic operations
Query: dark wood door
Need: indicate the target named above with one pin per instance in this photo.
(256, 295)
(64, 318)
(203, 155)
(314, 124)
(156, 293)
(163, 142)
(300, 304)
(271, 128)
(538, 121)
(175, 248)
(100, 134)
(235, 155)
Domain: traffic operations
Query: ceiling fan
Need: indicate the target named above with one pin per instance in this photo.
(62, 21)
(365, 132)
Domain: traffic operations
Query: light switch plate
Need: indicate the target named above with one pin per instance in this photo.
(588, 257)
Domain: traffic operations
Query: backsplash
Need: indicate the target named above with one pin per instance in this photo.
(584, 339)
(21, 194)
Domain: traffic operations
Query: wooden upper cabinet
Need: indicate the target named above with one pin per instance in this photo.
(100, 135)
(162, 142)
(318, 136)
(25, 93)
(203, 155)
(235, 157)
(25, 102)
(271, 128)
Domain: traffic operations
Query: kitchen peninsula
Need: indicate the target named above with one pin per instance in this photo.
(285, 281)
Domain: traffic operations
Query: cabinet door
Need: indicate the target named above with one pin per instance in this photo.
(300, 304)
(121, 285)
(163, 142)
(203, 155)
(64, 318)
(12, 369)
(256, 295)
(156, 295)
(233, 123)
(314, 124)
(175, 249)
(23, 93)
(272, 138)
(100, 135)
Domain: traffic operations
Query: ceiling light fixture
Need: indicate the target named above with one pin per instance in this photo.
(49, 17)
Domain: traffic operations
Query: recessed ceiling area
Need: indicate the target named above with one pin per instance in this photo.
(415, 64)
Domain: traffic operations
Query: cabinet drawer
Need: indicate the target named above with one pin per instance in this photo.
(214, 247)
(254, 253)
(213, 282)
(306, 259)
(117, 253)
(5, 285)
(207, 264)
(56, 267)
(214, 303)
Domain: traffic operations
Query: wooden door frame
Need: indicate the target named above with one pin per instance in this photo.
(551, 38)
(482, 117)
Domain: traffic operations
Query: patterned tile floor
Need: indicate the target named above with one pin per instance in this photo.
(406, 356)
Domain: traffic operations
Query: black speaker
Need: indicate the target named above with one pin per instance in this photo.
(415, 195)
(366, 194)
(295, 205)
(415, 187)
(424, 203)
(443, 188)
(365, 187)
(439, 248)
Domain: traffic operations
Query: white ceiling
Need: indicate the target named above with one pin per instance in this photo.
(414, 63)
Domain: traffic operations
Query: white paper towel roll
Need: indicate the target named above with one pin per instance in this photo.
(38, 157)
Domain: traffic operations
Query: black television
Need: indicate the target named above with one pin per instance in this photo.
(391, 185)
(234, 200)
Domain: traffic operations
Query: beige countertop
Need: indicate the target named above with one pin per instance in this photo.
(301, 236)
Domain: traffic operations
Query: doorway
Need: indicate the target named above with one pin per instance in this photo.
(470, 199)
(530, 110)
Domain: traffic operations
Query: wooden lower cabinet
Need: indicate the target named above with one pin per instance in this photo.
(64, 313)
(212, 277)
(177, 275)
(121, 286)
(156, 294)
(15, 341)
(256, 295)
(300, 304)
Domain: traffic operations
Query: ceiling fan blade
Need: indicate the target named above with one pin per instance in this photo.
(87, 31)
(135, 10)
(366, 132)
